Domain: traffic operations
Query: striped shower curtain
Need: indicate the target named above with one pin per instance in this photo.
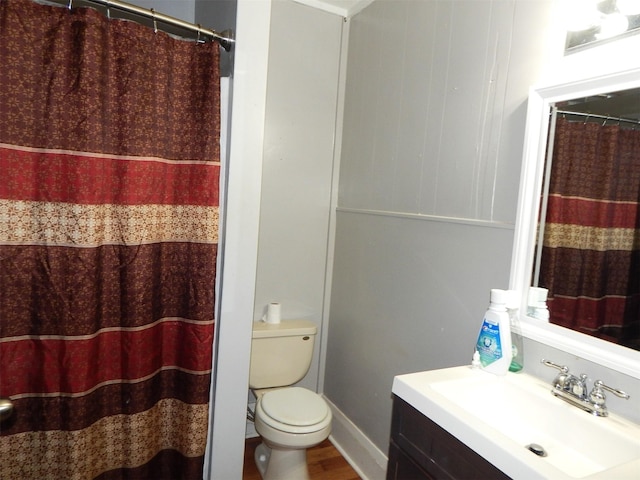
(591, 249)
(109, 171)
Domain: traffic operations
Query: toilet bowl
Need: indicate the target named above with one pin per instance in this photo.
(289, 420)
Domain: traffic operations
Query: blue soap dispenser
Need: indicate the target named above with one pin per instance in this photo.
(494, 339)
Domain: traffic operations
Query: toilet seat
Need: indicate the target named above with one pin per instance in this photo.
(294, 410)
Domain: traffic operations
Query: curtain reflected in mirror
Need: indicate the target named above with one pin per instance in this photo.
(589, 251)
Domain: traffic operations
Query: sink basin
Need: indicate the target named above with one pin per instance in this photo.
(500, 417)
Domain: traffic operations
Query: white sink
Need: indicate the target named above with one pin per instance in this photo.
(499, 417)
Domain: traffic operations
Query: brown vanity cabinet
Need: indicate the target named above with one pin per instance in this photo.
(421, 449)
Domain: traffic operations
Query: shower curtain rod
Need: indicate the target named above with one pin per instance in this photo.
(225, 38)
(600, 117)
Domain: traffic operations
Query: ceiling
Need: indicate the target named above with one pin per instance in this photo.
(344, 8)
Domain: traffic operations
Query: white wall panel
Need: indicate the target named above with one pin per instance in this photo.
(534, 37)
(430, 163)
(233, 328)
(429, 90)
(408, 295)
(416, 47)
(462, 131)
(302, 93)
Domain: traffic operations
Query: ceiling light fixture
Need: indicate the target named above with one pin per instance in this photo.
(612, 25)
(580, 14)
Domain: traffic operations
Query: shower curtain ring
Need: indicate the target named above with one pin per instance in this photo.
(70, 6)
(199, 31)
(108, 10)
(155, 23)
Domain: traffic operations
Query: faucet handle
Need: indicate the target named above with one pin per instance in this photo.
(562, 368)
(598, 386)
(562, 378)
(598, 398)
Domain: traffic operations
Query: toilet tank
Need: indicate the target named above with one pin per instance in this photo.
(281, 353)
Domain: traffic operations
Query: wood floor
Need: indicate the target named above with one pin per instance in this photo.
(325, 463)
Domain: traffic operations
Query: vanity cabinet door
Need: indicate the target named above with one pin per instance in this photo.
(402, 467)
(421, 449)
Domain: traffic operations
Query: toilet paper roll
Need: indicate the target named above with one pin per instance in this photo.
(274, 311)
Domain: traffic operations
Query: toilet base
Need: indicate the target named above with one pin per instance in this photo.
(277, 464)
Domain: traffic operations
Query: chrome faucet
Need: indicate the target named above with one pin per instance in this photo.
(578, 386)
(573, 389)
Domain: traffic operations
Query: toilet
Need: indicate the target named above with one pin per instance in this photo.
(289, 419)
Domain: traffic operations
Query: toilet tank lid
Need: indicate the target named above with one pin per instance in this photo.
(286, 328)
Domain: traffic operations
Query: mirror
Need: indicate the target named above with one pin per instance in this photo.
(541, 101)
(588, 247)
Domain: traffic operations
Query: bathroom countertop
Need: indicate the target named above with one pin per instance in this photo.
(420, 390)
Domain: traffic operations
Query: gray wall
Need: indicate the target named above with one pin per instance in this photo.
(183, 9)
(433, 131)
(297, 169)
(218, 15)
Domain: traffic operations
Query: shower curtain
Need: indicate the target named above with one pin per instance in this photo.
(109, 161)
(591, 249)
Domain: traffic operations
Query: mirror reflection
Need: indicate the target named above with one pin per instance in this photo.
(588, 252)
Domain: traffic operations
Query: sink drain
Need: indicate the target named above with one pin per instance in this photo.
(537, 449)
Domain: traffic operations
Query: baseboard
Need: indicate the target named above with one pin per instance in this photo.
(366, 458)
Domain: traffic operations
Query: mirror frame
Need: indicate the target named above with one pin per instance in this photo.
(541, 98)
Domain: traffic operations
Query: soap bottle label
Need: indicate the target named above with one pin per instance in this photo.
(489, 346)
